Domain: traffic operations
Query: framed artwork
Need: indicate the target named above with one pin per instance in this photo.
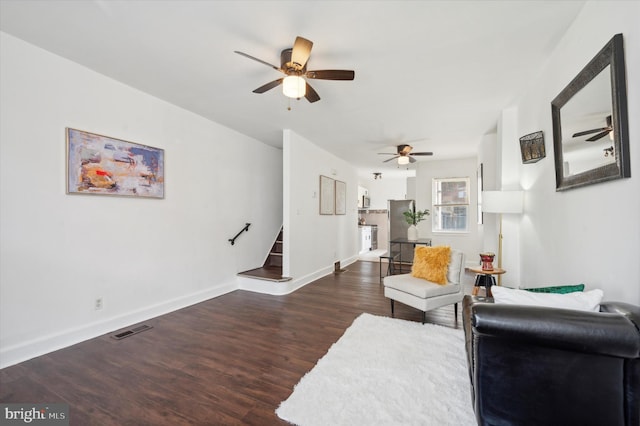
(341, 197)
(103, 165)
(480, 189)
(327, 195)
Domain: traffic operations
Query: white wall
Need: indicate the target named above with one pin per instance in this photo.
(507, 178)
(590, 234)
(411, 188)
(387, 188)
(314, 242)
(144, 257)
(488, 157)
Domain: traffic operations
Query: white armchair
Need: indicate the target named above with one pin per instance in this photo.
(425, 295)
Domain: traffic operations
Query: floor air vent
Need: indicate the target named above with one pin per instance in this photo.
(126, 333)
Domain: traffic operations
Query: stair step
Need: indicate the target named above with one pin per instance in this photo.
(275, 280)
(266, 274)
(274, 261)
(275, 257)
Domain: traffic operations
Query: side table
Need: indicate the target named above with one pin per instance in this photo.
(391, 270)
(485, 278)
(403, 242)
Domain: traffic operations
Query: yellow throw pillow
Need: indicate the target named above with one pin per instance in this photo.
(431, 263)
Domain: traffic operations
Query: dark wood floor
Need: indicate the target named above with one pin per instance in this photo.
(229, 360)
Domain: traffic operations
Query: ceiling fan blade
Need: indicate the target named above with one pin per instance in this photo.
(588, 132)
(269, 86)
(301, 51)
(331, 74)
(311, 95)
(411, 159)
(392, 158)
(258, 60)
(422, 153)
(598, 136)
(386, 153)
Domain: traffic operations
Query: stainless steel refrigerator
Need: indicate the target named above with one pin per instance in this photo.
(397, 226)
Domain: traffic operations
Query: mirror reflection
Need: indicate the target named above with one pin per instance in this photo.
(587, 132)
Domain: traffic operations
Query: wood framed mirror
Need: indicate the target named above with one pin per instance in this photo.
(590, 122)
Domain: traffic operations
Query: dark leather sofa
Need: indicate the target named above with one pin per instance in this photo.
(544, 366)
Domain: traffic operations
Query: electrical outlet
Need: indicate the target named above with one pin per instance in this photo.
(98, 304)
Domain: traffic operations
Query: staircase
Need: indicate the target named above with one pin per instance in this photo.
(272, 268)
(275, 255)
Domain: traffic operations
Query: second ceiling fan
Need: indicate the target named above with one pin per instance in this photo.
(404, 154)
(293, 63)
(601, 132)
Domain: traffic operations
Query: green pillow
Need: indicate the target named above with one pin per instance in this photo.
(562, 289)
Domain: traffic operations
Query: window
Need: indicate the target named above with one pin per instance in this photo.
(450, 198)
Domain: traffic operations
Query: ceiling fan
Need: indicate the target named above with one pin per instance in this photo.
(601, 133)
(293, 63)
(404, 154)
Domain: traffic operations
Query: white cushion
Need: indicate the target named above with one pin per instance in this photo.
(419, 287)
(581, 301)
(455, 266)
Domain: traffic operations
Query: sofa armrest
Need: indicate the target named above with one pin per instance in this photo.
(632, 312)
(607, 333)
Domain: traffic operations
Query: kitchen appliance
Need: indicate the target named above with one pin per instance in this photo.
(374, 237)
(398, 228)
(366, 202)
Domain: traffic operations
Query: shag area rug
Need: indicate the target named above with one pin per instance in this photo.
(385, 371)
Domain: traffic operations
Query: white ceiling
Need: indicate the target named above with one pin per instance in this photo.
(435, 74)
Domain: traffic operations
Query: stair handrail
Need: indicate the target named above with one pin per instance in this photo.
(246, 228)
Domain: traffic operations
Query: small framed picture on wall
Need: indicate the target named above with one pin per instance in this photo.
(327, 195)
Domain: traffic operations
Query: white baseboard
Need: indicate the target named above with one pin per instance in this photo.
(349, 261)
(24, 351)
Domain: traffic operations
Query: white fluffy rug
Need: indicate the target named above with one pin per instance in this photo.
(386, 371)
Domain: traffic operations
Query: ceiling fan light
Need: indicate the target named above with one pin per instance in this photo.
(294, 86)
(402, 160)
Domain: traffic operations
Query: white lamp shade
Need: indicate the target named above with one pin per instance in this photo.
(403, 160)
(294, 86)
(502, 201)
